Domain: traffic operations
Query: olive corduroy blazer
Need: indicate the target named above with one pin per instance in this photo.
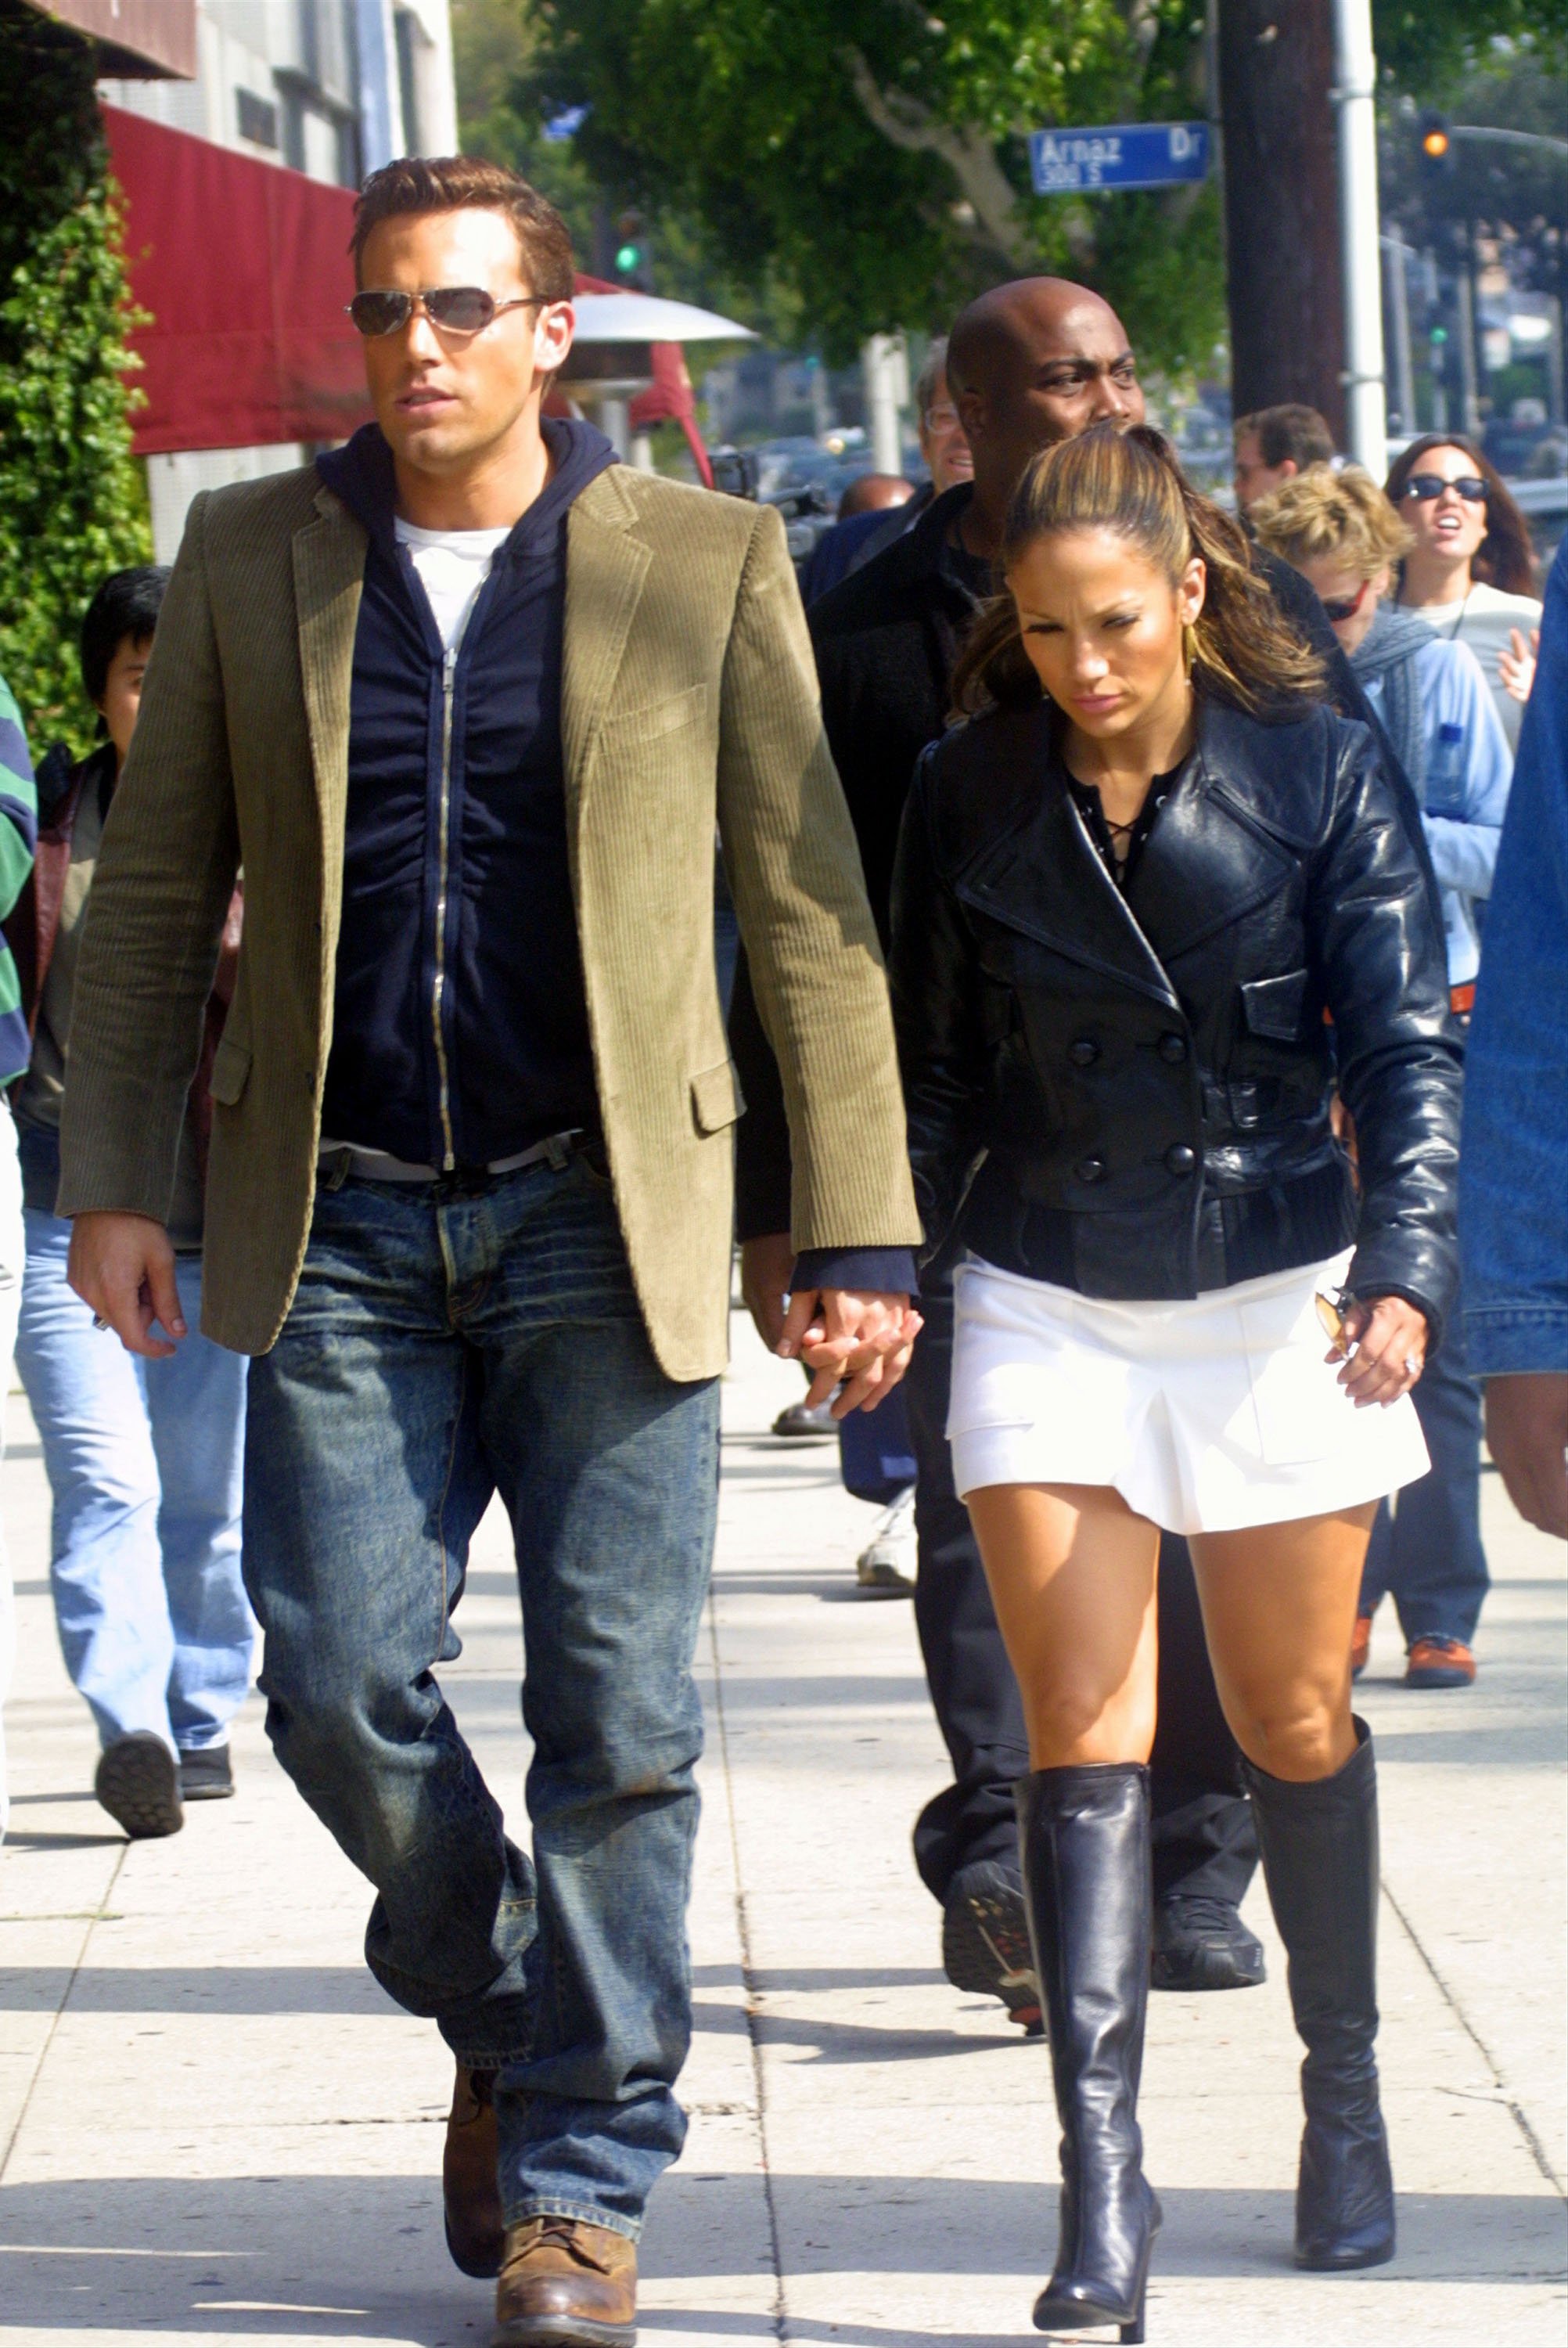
(688, 698)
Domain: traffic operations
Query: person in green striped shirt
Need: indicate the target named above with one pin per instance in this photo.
(18, 844)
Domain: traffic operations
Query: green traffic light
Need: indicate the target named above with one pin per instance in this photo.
(628, 258)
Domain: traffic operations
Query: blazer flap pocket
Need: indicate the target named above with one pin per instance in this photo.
(231, 1069)
(716, 1100)
(1274, 1006)
(656, 717)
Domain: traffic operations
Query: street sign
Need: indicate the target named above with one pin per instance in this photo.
(1118, 155)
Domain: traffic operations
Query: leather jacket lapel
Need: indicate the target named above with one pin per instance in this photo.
(1044, 877)
(1201, 868)
(328, 574)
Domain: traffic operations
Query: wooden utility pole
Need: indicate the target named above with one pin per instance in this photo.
(1286, 289)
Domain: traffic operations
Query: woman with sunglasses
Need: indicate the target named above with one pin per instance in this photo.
(1341, 533)
(1468, 569)
(1128, 891)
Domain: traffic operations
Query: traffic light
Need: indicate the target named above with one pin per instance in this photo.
(631, 257)
(1437, 145)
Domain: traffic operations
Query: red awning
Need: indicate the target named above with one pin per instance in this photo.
(245, 267)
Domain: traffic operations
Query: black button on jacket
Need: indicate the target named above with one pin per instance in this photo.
(1282, 882)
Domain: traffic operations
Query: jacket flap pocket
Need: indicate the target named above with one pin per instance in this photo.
(716, 1098)
(656, 717)
(230, 1068)
(1274, 1006)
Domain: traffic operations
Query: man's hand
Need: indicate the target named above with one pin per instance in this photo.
(768, 1268)
(123, 1267)
(1527, 1430)
(862, 1341)
(1516, 666)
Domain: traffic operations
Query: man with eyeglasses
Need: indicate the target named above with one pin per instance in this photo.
(1027, 363)
(852, 542)
(467, 699)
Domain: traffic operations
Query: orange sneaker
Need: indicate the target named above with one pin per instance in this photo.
(1440, 1663)
(1360, 1645)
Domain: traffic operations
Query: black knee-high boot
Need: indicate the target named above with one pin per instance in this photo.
(1084, 1837)
(1319, 1845)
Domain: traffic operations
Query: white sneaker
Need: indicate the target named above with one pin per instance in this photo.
(886, 1566)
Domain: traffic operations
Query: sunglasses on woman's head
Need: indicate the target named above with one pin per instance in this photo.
(451, 309)
(1430, 486)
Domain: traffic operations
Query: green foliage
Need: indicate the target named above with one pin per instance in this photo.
(1425, 46)
(73, 503)
(862, 164)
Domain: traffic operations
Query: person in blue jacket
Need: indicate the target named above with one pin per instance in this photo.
(18, 844)
(1340, 532)
(1514, 1193)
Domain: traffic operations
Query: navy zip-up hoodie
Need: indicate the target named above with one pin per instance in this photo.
(460, 1023)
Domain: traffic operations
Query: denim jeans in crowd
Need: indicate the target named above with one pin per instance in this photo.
(12, 1246)
(446, 1343)
(1427, 1549)
(145, 1460)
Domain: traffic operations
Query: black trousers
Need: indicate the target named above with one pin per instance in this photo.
(1202, 1829)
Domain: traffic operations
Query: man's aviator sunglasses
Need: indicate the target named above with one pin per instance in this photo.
(1429, 487)
(451, 309)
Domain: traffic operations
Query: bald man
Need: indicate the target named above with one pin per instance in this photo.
(1028, 363)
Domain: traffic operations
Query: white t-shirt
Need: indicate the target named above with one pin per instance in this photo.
(1483, 621)
(453, 565)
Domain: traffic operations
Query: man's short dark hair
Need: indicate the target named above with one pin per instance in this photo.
(454, 183)
(127, 604)
(1289, 433)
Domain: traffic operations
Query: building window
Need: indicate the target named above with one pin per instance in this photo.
(258, 118)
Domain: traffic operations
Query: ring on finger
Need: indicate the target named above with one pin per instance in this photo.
(1412, 1365)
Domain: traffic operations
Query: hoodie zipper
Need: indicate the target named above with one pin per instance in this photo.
(438, 989)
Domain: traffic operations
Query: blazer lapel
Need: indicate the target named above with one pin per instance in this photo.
(328, 574)
(606, 568)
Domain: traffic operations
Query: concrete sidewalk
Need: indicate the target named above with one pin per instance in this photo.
(214, 2127)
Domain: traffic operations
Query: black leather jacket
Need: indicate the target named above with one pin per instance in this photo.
(1143, 1081)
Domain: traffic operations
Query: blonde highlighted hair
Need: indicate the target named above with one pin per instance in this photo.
(1342, 517)
(1244, 649)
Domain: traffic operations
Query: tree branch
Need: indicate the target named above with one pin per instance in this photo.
(968, 152)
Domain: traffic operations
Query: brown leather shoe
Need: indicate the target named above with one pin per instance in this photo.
(470, 2187)
(566, 2285)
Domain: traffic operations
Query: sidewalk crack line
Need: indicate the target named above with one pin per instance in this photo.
(1538, 2151)
(96, 1918)
(748, 1978)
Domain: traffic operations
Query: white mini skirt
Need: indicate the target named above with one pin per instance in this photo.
(1206, 1415)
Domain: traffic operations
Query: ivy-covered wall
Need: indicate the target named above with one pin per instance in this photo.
(73, 500)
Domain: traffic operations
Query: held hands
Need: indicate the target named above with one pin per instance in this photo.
(1383, 1346)
(123, 1267)
(859, 1343)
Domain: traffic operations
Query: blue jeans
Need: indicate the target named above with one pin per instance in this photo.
(1427, 1549)
(144, 1460)
(444, 1345)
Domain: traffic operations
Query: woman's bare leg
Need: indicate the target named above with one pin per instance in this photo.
(1073, 1574)
(1072, 1577)
(1279, 1607)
